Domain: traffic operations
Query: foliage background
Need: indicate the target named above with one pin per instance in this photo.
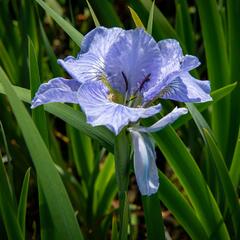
(57, 175)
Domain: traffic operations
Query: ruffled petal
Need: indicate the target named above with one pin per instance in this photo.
(186, 88)
(145, 168)
(189, 62)
(85, 67)
(94, 99)
(99, 40)
(90, 62)
(163, 122)
(133, 62)
(173, 59)
(56, 90)
(171, 54)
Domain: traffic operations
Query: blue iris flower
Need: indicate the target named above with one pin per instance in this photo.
(116, 77)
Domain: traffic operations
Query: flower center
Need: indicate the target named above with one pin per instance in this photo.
(129, 99)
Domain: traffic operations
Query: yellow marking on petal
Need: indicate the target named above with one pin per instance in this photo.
(114, 95)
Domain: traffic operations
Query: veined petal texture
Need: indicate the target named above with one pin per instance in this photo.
(85, 67)
(100, 40)
(136, 55)
(57, 90)
(145, 168)
(175, 82)
(90, 62)
(186, 88)
(93, 97)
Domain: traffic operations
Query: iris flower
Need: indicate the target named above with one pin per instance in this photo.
(115, 79)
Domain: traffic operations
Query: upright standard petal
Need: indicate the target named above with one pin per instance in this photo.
(100, 40)
(56, 90)
(95, 100)
(145, 163)
(163, 122)
(133, 62)
(171, 54)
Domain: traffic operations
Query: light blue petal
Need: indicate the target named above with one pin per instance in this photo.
(84, 68)
(163, 122)
(173, 65)
(189, 62)
(173, 59)
(94, 99)
(186, 88)
(56, 90)
(99, 40)
(136, 55)
(145, 168)
(90, 62)
(171, 54)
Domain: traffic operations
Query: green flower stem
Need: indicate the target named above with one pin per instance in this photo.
(122, 156)
(153, 217)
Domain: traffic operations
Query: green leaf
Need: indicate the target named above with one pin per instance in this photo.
(124, 215)
(96, 22)
(180, 208)
(7, 63)
(38, 114)
(55, 68)
(82, 150)
(136, 19)
(114, 228)
(193, 182)
(57, 199)
(235, 170)
(48, 231)
(72, 117)
(162, 25)
(153, 214)
(150, 19)
(7, 209)
(216, 95)
(198, 119)
(184, 25)
(122, 157)
(233, 20)
(105, 188)
(22, 206)
(225, 179)
(66, 26)
(105, 11)
(217, 65)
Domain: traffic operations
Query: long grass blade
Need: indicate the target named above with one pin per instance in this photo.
(136, 19)
(53, 188)
(180, 208)
(66, 26)
(216, 95)
(233, 13)
(150, 19)
(191, 178)
(235, 170)
(8, 211)
(217, 65)
(22, 206)
(74, 118)
(38, 115)
(96, 22)
(230, 194)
